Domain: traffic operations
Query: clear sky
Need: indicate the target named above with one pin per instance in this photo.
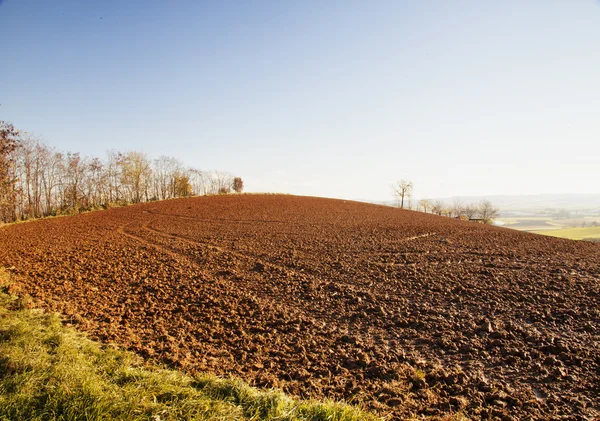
(334, 98)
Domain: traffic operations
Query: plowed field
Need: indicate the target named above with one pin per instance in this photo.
(406, 312)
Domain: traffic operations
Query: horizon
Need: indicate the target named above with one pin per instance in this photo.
(333, 100)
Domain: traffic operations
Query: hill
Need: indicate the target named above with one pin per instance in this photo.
(410, 313)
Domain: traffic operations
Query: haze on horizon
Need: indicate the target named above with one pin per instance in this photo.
(336, 99)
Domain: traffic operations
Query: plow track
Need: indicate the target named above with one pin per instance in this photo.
(410, 314)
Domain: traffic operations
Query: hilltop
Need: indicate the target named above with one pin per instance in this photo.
(409, 313)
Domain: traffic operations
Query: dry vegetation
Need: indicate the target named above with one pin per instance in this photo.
(408, 313)
(38, 181)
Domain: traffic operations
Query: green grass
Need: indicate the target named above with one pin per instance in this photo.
(50, 372)
(573, 233)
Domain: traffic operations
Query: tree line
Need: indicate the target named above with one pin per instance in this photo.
(483, 211)
(37, 181)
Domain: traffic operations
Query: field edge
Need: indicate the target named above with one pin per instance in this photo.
(53, 372)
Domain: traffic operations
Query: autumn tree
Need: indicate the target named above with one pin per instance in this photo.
(9, 141)
(425, 204)
(238, 184)
(37, 181)
(181, 185)
(135, 176)
(402, 189)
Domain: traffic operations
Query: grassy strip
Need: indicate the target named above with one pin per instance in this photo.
(573, 233)
(50, 372)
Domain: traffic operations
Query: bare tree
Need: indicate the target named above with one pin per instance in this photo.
(199, 182)
(487, 211)
(27, 178)
(51, 180)
(73, 197)
(457, 208)
(114, 187)
(221, 182)
(37, 178)
(438, 207)
(470, 211)
(402, 189)
(94, 184)
(166, 173)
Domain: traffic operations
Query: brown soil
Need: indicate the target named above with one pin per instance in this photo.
(405, 312)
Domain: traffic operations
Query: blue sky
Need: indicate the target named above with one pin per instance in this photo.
(334, 98)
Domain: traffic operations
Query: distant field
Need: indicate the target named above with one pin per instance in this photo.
(572, 233)
(549, 225)
(529, 223)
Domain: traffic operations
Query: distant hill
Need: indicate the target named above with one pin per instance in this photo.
(538, 201)
(587, 203)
